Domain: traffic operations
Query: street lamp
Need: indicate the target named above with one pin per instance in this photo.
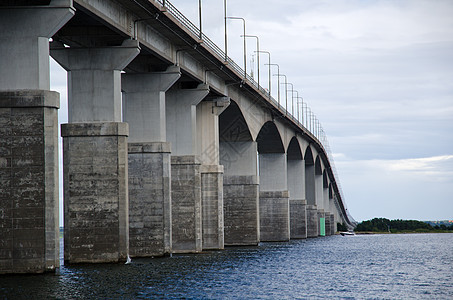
(269, 69)
(286, 94)
(292, 103)
(292, 91)
(245, 45)
(306, 114)
(298, 112)
(258, 56)
(278, 81)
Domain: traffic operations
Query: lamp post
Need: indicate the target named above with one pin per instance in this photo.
(292, 91)
(292, 101)
(278, 81)
(286, 94)
(199, 15)
(306, 114)
(298, 112)
(269, 68)
(226, 37)
(258, 56)
(245, 45)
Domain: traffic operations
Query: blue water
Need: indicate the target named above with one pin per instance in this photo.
(410, 266)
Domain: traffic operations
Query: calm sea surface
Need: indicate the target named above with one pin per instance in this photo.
(410, 266)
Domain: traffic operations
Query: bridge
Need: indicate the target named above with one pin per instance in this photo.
(170, 146)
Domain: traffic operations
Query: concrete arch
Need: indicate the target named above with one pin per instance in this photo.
(232, 125)
(294, 151)
(325, 180)
(318, 166)
(310, 194)
(269, 139)
(308, 157)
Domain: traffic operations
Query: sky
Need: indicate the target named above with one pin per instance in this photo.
(378, 74)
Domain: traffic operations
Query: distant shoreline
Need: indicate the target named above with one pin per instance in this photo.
(401, 232)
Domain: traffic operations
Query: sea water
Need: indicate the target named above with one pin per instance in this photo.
(393, 266)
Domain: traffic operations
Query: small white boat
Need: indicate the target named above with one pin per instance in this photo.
(343, 233)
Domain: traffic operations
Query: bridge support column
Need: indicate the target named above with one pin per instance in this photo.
(312, 221)
(333, 225)
(29, 222)
(241, 193)
(297, 202)
(149, 162)
(185, 168)
(274, 198)
(211, 172)
(327, 222)
(95, 167)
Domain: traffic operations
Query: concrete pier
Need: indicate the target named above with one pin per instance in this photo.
(149, 161)
(149, 199)
(296, 188)
(29, 226)
(312, 221)
(274, 198)
(212, 173)
(29, 222)
(241, 193)
(298, 219)
(95, 152)
(186, 212)
(181, 123)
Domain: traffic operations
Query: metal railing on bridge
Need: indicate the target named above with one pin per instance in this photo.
(310, 123)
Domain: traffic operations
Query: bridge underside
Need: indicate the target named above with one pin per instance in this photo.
(165, 149)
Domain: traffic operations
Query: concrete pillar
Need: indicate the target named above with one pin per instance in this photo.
(312, 221)
(186, 186)
(310, 184)
(297, 202)
(29, 223)
(333, 225)
(274, 198)
(241, 193)
(211, 172)
(148, 162)
(319, 194)
(95, 166)
(327, 223)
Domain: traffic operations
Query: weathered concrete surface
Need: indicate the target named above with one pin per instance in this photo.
(95, 173)
(212, 206)
(333, 225)
(149, 199)
(186, 204)
(328, 225)
(24, 43)
(29, 232)
(241, 210)
(298, 219)
(312, 221)
(274, 216)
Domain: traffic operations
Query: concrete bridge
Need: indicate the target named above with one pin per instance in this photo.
(169, 148)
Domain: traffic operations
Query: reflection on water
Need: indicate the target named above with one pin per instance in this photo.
(362, 266)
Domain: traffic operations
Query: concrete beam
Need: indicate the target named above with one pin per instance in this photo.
(181, 112)
(94, 80)
(144, 104)
(24, 43)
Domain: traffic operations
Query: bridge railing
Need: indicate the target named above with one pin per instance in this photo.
(309, 123)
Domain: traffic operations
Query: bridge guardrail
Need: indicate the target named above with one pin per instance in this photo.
(315, 129)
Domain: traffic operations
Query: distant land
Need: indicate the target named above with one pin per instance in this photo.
(404, 226)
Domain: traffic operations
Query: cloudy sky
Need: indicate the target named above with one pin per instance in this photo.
(379, 77)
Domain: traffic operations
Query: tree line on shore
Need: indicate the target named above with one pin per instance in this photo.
(398, 225)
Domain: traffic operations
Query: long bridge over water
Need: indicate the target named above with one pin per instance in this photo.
(170, 147)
